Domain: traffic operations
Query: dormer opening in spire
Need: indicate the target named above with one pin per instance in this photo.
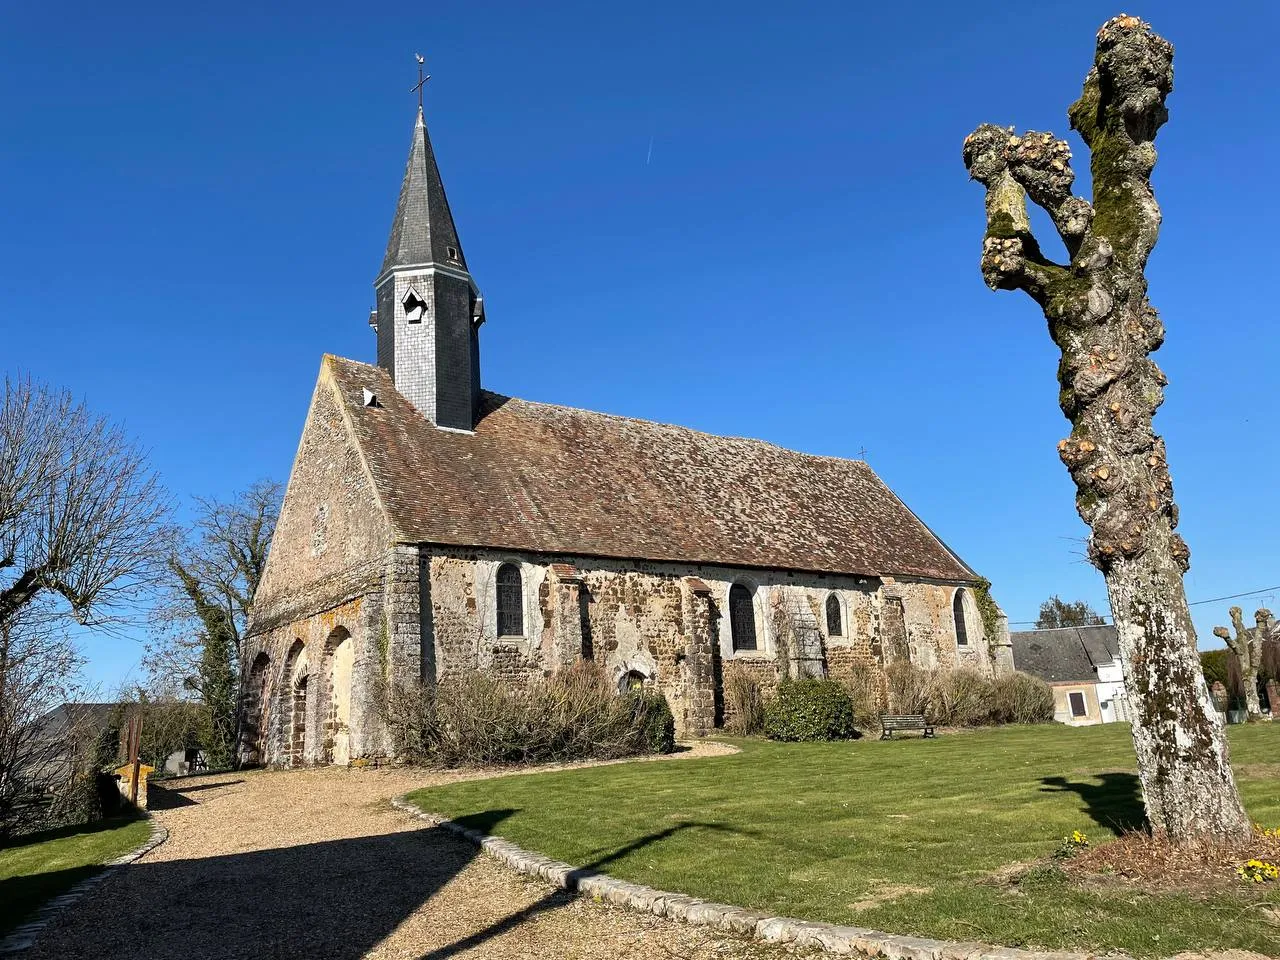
(429, 309)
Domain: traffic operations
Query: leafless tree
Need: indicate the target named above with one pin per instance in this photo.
(81, 512)
(1100, 318)
(39, 671)
(213, 572)
(1247, 647)
(81, 517)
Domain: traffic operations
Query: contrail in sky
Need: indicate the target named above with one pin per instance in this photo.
(649, 155)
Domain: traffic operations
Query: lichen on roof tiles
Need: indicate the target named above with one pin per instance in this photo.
(551, 479)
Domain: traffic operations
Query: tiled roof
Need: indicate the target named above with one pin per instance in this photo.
(557, 480)
(1065, 654)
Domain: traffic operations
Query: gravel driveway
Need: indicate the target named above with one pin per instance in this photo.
(316, 863)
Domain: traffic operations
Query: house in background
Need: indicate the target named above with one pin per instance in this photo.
(1083, 666)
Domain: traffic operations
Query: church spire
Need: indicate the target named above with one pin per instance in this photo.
(429, 311)
(422, 231)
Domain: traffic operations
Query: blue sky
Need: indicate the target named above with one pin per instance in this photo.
(748, 218)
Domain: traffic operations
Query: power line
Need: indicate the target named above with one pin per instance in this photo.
(1192, 603)
(1234, 596)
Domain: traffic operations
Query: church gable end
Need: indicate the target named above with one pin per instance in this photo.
(332, 536)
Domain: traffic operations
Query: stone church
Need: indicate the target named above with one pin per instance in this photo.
(432, 527)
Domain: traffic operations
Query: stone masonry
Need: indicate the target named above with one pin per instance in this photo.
(422, 512)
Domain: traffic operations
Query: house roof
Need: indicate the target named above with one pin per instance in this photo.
(557, 480)
(92, 715)
(1065, 654)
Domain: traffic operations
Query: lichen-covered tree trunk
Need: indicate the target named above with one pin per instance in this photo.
(1099, 316)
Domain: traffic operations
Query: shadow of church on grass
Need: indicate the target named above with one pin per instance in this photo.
(1115, 802)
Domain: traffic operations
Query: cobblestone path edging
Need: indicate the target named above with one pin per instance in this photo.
(828, 937)
(20, 938)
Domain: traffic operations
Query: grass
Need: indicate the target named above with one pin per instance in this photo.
(903, 836)
(43, 865)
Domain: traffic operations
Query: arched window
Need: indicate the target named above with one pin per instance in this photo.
(742, 618)
(835, 622)
(510, 601)
(957, 614)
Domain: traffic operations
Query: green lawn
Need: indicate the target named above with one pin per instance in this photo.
(39, 866)
(811, 830)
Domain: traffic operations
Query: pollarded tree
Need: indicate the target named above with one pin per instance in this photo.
(1100, 318)
(1247, 647)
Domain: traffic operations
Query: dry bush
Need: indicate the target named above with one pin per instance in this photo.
(863, 687)
(1139, 860)
(480, 720)
(743, 703)
(908, 688)
(1022, 698)
(960, 698)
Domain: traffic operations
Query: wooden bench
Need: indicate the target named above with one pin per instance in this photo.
(889, 724)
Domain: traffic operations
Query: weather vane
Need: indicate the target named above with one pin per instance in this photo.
(422, 80)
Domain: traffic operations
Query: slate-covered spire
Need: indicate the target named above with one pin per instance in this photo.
(423, 230)
(429, 311)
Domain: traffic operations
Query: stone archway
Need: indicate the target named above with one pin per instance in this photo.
(293, 706)
(255, 719)
(335, 705)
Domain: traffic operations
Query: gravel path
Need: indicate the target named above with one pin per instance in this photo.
(316, 863)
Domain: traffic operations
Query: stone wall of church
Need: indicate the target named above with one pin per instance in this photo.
(330, 579)
(314, 687)
(331, 538)
(667, 623)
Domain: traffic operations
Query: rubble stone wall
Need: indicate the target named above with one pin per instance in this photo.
(666, 623)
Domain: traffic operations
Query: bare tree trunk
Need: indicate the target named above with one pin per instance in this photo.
(1100, 318)
(1247, 647)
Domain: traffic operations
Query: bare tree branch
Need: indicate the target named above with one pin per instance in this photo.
(80, 510)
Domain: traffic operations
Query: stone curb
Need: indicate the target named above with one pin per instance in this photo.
(828, 937)
(21, 938)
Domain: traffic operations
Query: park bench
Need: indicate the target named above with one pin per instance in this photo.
(889, 724)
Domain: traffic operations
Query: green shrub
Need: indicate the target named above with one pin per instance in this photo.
(1022, 698)
(1214, 665)
(810, 709)
(743, 702)
(477, 719)
(655, 725)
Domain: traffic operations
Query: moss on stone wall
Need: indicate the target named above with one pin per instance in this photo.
(987, 608)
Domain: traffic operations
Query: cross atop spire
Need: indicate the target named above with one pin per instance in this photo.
(422, 80)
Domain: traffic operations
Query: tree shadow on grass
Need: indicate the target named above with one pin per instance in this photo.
(334, 899)
(1115, 802)
(559, 898)
(75, 830)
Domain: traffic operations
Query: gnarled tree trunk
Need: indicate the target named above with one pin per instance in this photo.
(1247, 647)
(1099, 316)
